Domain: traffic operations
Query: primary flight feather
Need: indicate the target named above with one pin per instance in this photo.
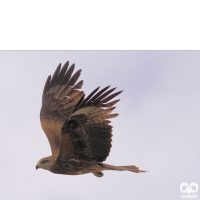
(78, 128)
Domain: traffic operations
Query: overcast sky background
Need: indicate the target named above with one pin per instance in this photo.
(157, 130)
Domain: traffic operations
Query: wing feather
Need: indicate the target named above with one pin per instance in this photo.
(68, 74)
(111, 97)
(96, 102)
(58, 102)
(78, 85)
(86, 135)
(89, 96)
(111, 103)
(98, 94)
(74, 78)
(55, 75)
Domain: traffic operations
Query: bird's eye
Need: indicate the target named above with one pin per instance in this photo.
(44, 161)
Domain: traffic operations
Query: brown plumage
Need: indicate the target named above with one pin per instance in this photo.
(77, 128)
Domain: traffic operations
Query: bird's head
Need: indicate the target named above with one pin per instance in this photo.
(45, 163)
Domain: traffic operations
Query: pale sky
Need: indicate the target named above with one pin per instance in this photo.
(157, 128)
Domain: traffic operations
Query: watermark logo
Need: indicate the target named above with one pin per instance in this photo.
(189, 190)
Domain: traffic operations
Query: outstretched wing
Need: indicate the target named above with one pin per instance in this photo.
(60, 96)
(86, 135)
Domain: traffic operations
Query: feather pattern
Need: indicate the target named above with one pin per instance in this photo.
(78, 128)
(86, 135)
(59, 98)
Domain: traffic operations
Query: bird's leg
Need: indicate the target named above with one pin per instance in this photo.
(98, 174)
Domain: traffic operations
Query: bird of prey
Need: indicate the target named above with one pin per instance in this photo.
(77, 128)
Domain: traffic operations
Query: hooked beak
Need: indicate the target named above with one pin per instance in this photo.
(37, 167)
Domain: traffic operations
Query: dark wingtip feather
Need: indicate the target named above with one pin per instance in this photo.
(62, 76)
(112, 103)
(74, 78)
(68, 74)
(47, 84)
(64, 69)
(91, 101)
(111, 97)
(99, 99)
(56, 73)
(66, 64)
(103, 95)
(88, 97)
(78, 85)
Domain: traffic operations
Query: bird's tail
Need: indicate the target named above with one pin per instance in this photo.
(131, 168)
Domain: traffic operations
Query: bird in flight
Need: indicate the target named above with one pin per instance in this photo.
(77, 127)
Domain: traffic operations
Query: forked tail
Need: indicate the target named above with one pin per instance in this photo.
(131, 168)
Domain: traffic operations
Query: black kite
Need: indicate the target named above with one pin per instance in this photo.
(77, 128)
